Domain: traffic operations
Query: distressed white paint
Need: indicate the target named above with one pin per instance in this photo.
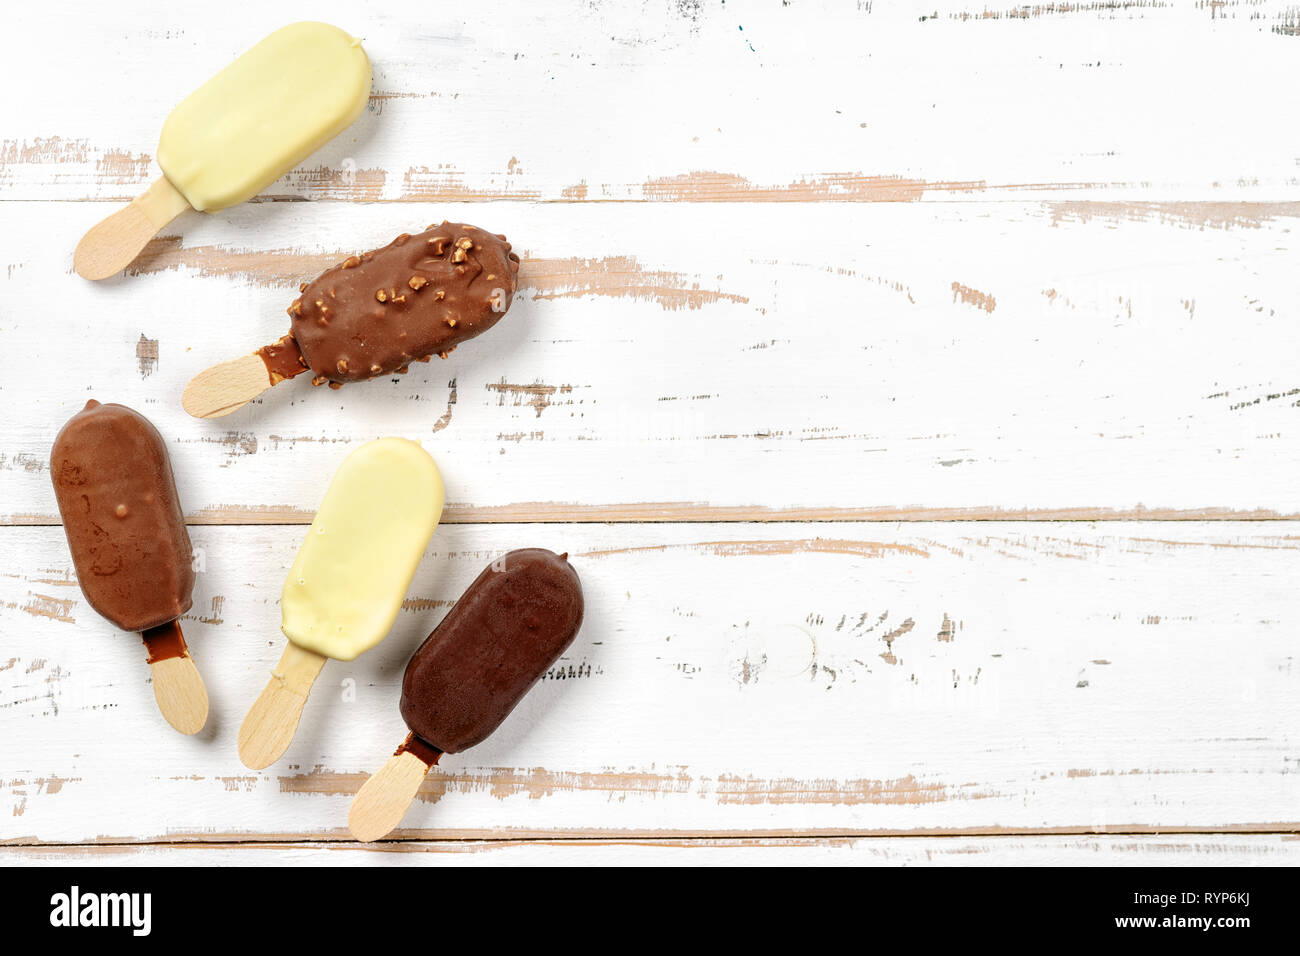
(1179, 101)
(1137, 355)
(723, 680)
(1165, 850)
(1124, 364)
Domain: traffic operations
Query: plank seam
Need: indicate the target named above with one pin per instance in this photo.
(199, 840)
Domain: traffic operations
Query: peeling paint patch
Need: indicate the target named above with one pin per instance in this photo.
(1190, 215)
(445, 420)
(324, 182)
(22, 461)
(146, 353)
(726, 789)
(236, 444)
(542, 278)
(617, 277)
(537, 395)
(867, 549)
(710, 186)
(980, 300)
(890, 636)
(42, 605)
(443, 183)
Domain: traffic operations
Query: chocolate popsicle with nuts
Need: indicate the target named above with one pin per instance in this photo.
(126, 530)
(373, 314)
(508, 627)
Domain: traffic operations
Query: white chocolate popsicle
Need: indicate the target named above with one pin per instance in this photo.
(239, 132)
(346, 587)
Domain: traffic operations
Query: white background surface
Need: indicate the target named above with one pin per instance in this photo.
(915, 391)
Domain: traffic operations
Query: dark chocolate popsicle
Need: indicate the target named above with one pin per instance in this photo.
(126, 530)
(508, 627)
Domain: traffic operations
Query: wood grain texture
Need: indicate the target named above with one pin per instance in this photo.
(1141, 367)
(914, 390)
(817, 101)
(1128, 850)
(920, 678)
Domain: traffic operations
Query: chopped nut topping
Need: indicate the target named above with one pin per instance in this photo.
(417, 282)
(399, 299)
(342, 366)
(460, 270)
(296, 308)
(439, 244)
(336, 385)
(491, 276)
(441, 295)
(443, 355)
(458, 255)
(351, 262)
(451, 323)
(401, 240)
(302, 287)
(319, 380)
(375, 370)
(381, 295)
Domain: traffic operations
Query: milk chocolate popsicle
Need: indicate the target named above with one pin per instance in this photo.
(503, 634)
(238, 133)
(373, 314)
(348, 582)
(125, 528)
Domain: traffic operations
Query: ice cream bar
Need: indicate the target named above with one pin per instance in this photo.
(126, 530)
(508, 627)
(503, 634)
(375, 313)
(264, 114)
(347, 584)
(232, 137)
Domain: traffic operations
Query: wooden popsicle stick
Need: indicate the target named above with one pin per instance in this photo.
(227, 387)
(112, 245)
(177, 685)
(383, 800)
(273, 719)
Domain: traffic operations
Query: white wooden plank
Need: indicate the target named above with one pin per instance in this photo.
(661, 353)
(728, 679)
(1129, 850)
(567, 100)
